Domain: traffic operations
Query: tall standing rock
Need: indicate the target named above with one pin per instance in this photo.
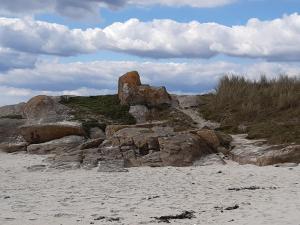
(128, 86)
(132, 92)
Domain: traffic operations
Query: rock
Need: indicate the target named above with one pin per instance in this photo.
(91, 157)
(182, 149)
(13, 147)
(248, 152)
(132, 92)
(210, 137)
(208, 160)
(12, 110)
(93, 143)
(112, 129)
(140, 113)
(188, 101)
(110, 166)
(153, 159)
(71, 159)
(127, 87)
(289, 154)
(45, 109)
(96, 133)
(9, 131)
(39, 133)
(225, 139)
(57, 146)
(151, 96)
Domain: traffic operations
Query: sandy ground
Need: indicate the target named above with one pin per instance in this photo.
(81, 196)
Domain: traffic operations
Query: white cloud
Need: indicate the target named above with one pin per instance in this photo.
(275, 40)
(100, 77)
(89, 9)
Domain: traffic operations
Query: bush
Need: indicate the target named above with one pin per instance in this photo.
(270, 108)
(106, 105)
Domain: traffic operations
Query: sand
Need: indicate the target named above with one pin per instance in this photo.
(81, 196)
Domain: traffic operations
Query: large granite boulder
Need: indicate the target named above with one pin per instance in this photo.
(132, 92)
(45, 109)
(39, 133)
(58, 146)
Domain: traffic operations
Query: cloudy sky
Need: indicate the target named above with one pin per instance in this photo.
(81, 47)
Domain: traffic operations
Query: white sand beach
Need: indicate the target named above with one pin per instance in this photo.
(80, 196)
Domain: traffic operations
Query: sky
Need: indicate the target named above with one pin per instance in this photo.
(76, 47)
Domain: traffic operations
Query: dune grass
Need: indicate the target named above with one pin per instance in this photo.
(265, 108)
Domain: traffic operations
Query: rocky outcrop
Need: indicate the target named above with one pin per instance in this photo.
(132, 92)
(157, 146)
(188, 101)
(140, 112)
(269, 156)
(257, 152)
(182, 149)
(45, 109)
(39, 133)
(12, 110)
(112, 129)
(9, 132)
(57, 146)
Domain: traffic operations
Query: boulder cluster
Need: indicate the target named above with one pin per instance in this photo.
(48, 127)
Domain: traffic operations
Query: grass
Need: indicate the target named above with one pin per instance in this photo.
(105, 108)
(267, 108)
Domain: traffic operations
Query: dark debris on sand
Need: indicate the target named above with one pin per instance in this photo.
(184, 215)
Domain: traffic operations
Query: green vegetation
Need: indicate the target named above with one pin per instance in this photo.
(104, 108)
(266, 108)
(13, 116)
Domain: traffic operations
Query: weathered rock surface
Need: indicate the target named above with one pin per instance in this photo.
(210, 137)
(58, 146)
(39, 133)
(140, 113)
(12, 110)
(112, 129)
(132, 92)
(182, 149)
(257, 153)
(188, 101)
(9, 132)
(96, 133)
(157, 146)
(13, 147)
(92, 143)
(45, 109)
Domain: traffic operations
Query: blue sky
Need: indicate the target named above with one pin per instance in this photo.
(81, 47)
